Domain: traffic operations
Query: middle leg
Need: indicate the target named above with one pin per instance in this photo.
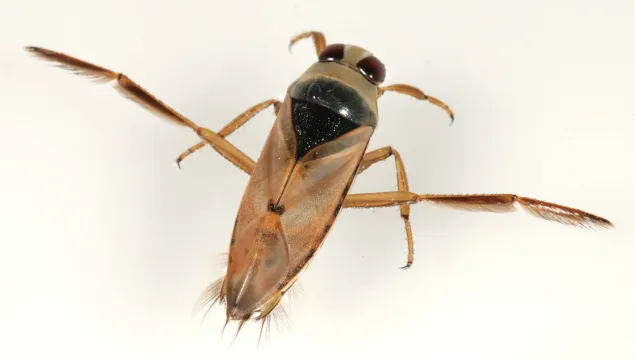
(375, 156)
(233, 125)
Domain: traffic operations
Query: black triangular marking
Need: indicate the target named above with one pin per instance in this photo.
(315, 125)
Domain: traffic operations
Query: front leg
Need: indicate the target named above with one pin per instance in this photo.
(318, 40)
(417, 94)
(233, 125)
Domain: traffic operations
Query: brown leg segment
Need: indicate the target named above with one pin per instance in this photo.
(189, 151)
(233, 125)
(485, 202)
(136, 93)
(416, 93)
(318, 40)
(402, 183)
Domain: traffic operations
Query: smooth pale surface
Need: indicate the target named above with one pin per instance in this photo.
(106, 244)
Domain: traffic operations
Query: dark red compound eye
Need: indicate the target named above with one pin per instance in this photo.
(373, 69)
(332, 52)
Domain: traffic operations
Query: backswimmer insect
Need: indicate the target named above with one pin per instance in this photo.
(315, 150)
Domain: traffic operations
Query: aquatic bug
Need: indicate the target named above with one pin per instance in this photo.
(301, 180)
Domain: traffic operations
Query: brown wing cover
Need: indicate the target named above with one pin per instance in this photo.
(288, 208)
(315, 192)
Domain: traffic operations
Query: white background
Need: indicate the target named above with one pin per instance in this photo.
(106, 244)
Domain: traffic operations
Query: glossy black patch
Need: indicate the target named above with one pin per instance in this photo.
(315, 125)
(337, 97)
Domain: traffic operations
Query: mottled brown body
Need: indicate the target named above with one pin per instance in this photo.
(301, 181)
(309, 193)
